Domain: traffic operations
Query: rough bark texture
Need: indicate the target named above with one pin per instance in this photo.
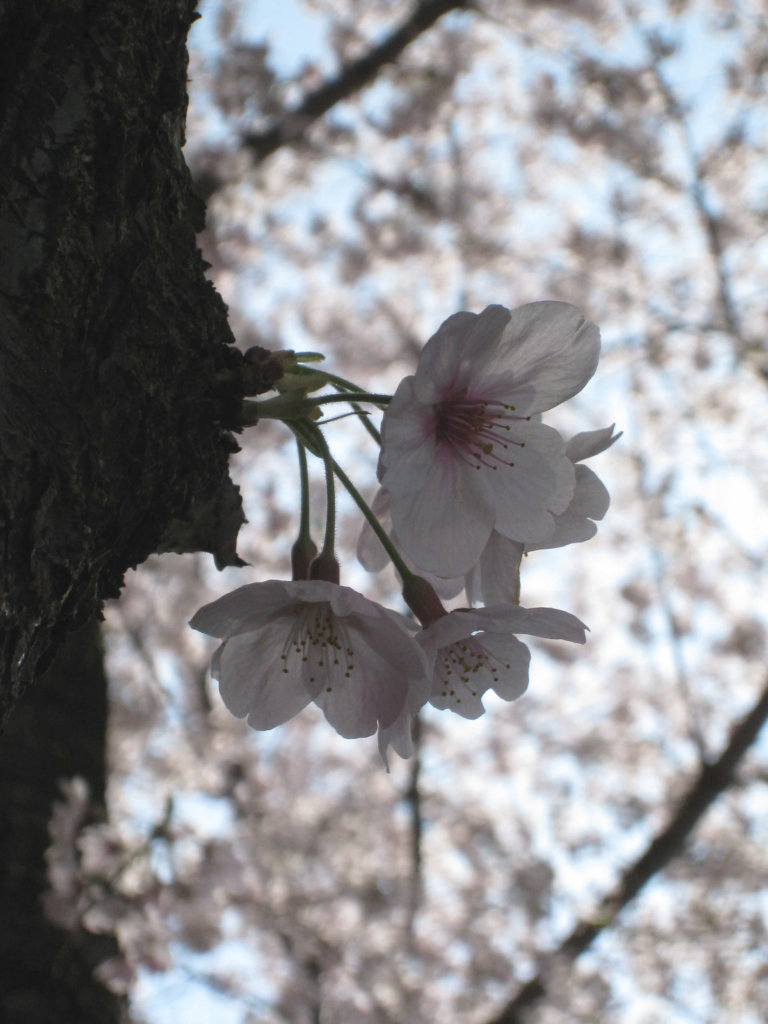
(56, 732)
(118, 381)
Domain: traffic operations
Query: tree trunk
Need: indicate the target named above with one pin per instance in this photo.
(118, 382)
(56, 732)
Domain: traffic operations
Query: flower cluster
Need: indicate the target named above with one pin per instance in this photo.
(471, 480)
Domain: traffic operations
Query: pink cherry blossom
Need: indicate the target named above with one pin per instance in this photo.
(373, 557)
(286, 644)
(462, 450)
(590, 500)
(495, 577)
(474, 650)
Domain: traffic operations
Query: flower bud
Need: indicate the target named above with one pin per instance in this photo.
(302, 553)
(423, 601)
(325, 567)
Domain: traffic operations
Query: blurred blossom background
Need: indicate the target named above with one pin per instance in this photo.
(606, 153)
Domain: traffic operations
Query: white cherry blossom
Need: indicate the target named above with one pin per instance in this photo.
(495, 579)
(590, 499)
(475, 650)
(373, 557)
(462, 450)
(286, 644)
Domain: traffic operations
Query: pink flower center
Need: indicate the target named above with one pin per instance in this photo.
(477, 430)
(466, 665)
(319, 646)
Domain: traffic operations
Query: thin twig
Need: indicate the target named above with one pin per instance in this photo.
(678, 657)
(413, 798)
(350, 80)
(698, 190)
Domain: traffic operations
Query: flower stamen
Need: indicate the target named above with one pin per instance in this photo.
(477, 429)
(460, 661)
(319, 639)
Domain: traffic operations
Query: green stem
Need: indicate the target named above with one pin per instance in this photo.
(363, 417)
(304, 477)
(305, 549)
(331, 378)
(378, 529)
(320, 446)
(293, 406)
(359, 396)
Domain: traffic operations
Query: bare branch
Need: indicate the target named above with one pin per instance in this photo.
(350, 80)
(413, 798)
(711, 781)
(710, 222)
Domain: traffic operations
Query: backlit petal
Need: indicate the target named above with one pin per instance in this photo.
(252, 681)
(537, 482)
(591, 442)
(451, 358)
(548, 351)
(444, 525)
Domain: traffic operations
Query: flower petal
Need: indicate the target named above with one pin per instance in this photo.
(452, 356)
(374, 693)
(407, 437)
(374, 558)
(252, 681)
(390, 640)
(547, 353)
(591, 442)
(398, 735)
(591, 498)
(539, 482)
(444, 524)
(370, 550)
(242, 609)
(549, 623)
(515, 658)
(496, 577)
(590, 501)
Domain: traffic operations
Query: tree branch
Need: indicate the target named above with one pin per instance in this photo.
(413, 798)
(712, 780)
(710, 222)
(350, 80)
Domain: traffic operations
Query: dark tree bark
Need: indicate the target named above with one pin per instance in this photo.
(56, 732)
(118, 380)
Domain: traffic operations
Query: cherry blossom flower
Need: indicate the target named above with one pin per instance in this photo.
(495, 578)
(463, 452)
(474, 650)
(286, 644)
(590, 500)
(373, 557)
